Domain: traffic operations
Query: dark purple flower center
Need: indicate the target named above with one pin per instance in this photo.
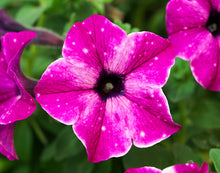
(213, 23)
(109, 85)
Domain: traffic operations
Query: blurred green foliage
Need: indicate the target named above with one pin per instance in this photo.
(44, 145)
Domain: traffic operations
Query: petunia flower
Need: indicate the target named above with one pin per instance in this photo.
(194, 30)
(181, 168)
(16, 102)
(44, 37)
(108, 86)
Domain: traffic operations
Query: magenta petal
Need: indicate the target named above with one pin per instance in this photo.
(189, 42)
(215, 4)
(205, 65)
(7, 141)
(186, 14)
(93, 41)
(143, 49)
(143, 170)
(14, 43)
(103, 129)
(153, 66)
(187, 168)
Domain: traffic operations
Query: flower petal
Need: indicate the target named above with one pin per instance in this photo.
(65, 88)
(215, 4)
(186, 14)
(7, 141)
(143, 170)
(187, 168)
(144, 49)
(14, 43)
(102, 129)
(187, 42)
(93, 41)
(205, 64)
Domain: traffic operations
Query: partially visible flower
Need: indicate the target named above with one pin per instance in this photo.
(44, 37)
(181, 168)
(194, 30)
(108, 86)
(16, 102)
(7, 142)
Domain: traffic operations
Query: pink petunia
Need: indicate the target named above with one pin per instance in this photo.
(194, 30)
(108, 86)
(181, 168)
(16, 102)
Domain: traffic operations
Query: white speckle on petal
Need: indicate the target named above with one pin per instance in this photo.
(147, 42)
(38, 94)
(66, 103)
(214, 64)
(180, 8)
(103, 128)
(83, 23)
(142, 134)
(160, 105)
(116, 144)
(105, 53)
(51, 75)
(102, 29)
(58, 100)
(152, 43)
(164, 135)
(74, 26)
(190, 45)
(73, 43)
(58, 106)
(14, 40)
(152, 95)
(90, 32)
(115, 47)
(156, 58)
(185, 27)
(85, 50)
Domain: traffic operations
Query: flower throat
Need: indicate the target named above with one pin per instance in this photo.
(213, 23)
(109, 85)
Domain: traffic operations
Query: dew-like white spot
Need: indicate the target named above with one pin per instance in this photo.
(115, 47)
(73, 43)
(116, 144)
(58, 106)
(152, 95)
(51, 75)
(147, 42)
(90, 32)
(45, 105)
(190, 45)
(85, 50)
(102, 29)
(14, 40)
(83, 23)
(38, 94)
(142, 134)
(152, 43)
(185, 27)
(159, 105)
(214, 64)
(105, 53)
(164, 135)
(150, 64)
(156, 58)
(48, 69)
(58, 100)
(103, 128)
(74, 26)
(66, 103)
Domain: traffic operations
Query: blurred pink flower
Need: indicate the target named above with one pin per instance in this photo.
(181, 168)
(16, 102)
(194, 30)
(108, 86)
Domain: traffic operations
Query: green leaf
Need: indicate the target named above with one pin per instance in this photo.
(67, 144)
(156, 156)
(23, 138)
(205, 114)
(215, 156)
(103, 167)
(28, 15)
(184, 154)
(78, 164)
